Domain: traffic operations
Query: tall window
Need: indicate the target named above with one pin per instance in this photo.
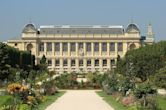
(73, 63)
(65, 62)
(80, 45)
(120, 46)
(88, 47)
(88, 62)
(104, 62)
(72, 47)
(104, 46)
(57, 46)
(96, 47)
(81, 62)
(41, 46)
(96, 62)
(49, 62)
(112, 46)
(49, 46)
(57, 62)
(112, 62)
(65, 47)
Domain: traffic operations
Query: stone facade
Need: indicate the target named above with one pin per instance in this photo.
(79, 48)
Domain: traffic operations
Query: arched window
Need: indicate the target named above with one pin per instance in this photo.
(132, 46)
(29, 47)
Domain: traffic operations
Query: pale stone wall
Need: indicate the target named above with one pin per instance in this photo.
(35, 39)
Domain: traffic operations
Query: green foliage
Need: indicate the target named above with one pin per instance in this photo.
(159, 78)
(50, 87)
(126, 84)
(13, 58)
(24, 107)
(110, 84)
(66, 80)
(144, 89)
(43, 60)
(112, 101)
(143, 62)
(5, 100)
(146, 95)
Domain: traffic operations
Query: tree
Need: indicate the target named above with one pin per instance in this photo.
(43, 60)
(145, 94)
(159, 78)
(4, 61)
(143, 62)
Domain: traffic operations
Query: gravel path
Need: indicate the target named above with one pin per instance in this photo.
(80, 100)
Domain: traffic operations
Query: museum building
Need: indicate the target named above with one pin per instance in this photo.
(81, 48)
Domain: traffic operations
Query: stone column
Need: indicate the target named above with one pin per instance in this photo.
(69, 48)
(108, 49)
(125, 48)
(61, 49)
(84, 45)
(76, 48)
(100, 48)
(85, 64)
(92, 65)
(45, 48)
(77, 64)
(100, 64)
(53, 63)
(116, 49)
(109, 63)
(53, 48)
(92, 49)
(61, 64)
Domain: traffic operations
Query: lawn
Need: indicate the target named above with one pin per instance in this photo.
(161, 102)
(50, 100)
(109, 99)
(118, 106)
(5, 99)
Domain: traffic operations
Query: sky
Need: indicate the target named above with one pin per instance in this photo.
(15, 14)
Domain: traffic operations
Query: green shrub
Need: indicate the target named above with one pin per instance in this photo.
(24, 107)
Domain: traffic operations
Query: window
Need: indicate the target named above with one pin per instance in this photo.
(15, 44)
(112, 62)
(104, 62)
(65, 62)
(120, 46)
(57, 62)
(65, 47)
(104, 47)
(49, 46)
(88, 62)
(73, 47)
(88, 47)
(73, 62)
(112, 46)
(80, 62)
(57, 46)
(80, 45)
(97, 62)
(96, 47)
(41, 46)
(49, 62)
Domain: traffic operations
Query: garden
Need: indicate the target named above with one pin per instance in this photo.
(24, 85)
(133, 85)
(135, 82)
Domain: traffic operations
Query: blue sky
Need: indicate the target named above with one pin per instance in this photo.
(14, 14)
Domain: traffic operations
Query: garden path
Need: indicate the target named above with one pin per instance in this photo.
(80, 100)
